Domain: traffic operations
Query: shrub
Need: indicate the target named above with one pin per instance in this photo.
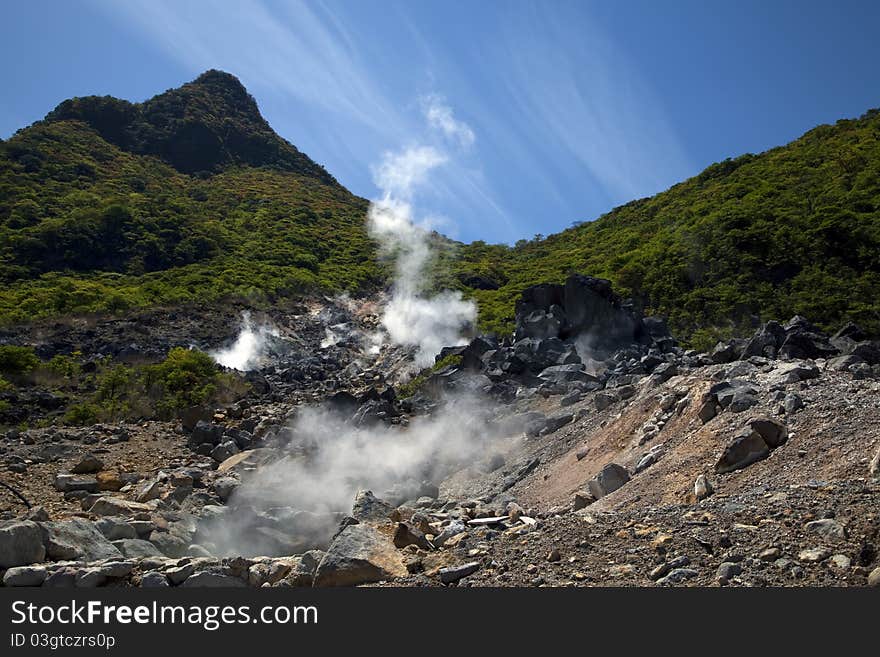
(17, 361)
(187, 377)
(705, 339)
(114, 387)
(65, 366)
(81, 414)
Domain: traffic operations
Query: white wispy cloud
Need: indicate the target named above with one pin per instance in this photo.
(567, 123)
(302, 54)
(307, 53)
(572, 84)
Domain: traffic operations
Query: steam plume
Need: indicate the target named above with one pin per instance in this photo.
(411, 317)
(249, 347)
(328, 460)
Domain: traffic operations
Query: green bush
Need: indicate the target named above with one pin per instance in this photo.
(187, 377)
(17, 361)
(64, 366)
(82, 414)
(115, 387)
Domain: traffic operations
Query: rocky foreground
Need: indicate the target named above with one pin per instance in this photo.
(616, 459)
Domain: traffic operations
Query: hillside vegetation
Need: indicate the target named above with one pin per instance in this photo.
(794, 230)
(189, 197)
(96, 216)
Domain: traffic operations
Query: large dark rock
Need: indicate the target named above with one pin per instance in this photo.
(869, 352)
(543, 425)
(852, 332)
(343, 402)
(541, 323)
(772, 431)
(745, 448)
(583, 306)
(803, 340)
(374, 411)
(727, 352)
(472, 354)
(567, 374)
(656, 327)
(754, 442)
(592, 308)
(206, 432)
(539, 297)
(538, 354)
(369, 507)
(735, 395)
(765, 342)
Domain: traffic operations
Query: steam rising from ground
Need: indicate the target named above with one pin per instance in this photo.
(294, 501)
(328, 461)
(592, 358)
(411, 317)
(249, 347)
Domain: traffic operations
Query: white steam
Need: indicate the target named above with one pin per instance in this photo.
(411, 317)
(592, 358)
(341, 459)
(328, 460)
(440, 117)
(249, 347)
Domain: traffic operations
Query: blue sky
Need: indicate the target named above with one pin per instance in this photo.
(574, 107)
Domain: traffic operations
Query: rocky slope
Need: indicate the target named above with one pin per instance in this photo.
(599, 453)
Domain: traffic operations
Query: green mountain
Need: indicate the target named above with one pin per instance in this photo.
(107, 205)
(794, 230)
(205, 126)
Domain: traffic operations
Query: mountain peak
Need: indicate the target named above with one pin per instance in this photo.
(216, 77)
(202, 127)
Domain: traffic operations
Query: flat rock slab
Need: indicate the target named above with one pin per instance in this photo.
(455, 573)
(494, 520)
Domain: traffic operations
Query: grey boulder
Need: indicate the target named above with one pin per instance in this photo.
(79, 539)
(359, 555)
(609, 479)
(21, 544)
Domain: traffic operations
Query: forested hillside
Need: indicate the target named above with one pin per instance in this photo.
(793, 230)
(108, 205)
